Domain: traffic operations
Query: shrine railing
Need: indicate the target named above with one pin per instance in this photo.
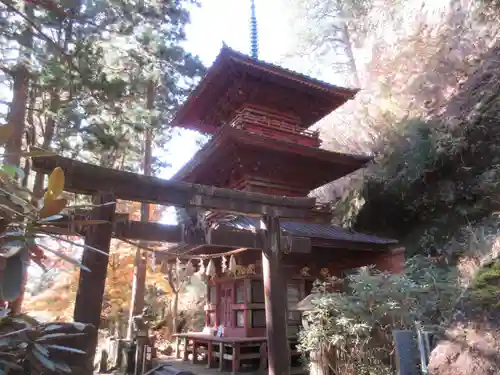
(262, 122)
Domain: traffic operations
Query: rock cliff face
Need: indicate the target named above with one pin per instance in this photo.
(472, 342)
(471, 348)
(438, 175)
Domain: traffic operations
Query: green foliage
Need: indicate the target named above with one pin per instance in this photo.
(27, 344)
(356, 325)
(90, 74)
(96, 76)
(410, 160)
(430, 179)
(434, 118)
(485, 288)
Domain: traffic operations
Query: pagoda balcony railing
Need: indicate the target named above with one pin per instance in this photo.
(278, 127)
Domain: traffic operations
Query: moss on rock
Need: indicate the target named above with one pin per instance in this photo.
(485, 288)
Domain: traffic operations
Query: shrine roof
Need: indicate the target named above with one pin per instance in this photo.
(312, 230)
(235, 79)
(321, 234)
(219, 155)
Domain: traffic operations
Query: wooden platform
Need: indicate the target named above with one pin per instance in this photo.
(223, 351)
(201, 369)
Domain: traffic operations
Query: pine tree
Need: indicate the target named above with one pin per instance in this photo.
(91, 66)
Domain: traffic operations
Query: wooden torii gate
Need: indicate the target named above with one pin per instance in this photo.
(106, 185)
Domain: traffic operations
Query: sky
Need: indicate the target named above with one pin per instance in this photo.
(215, 22)
(218, 21)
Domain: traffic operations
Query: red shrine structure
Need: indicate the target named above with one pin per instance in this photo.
(258, 115)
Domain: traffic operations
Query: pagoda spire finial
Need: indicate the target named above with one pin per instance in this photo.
(254, 47)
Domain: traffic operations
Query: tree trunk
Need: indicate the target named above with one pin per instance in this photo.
(319, 361)
(175, 311)
(350, 55)
(47, 139)
(30, 133)
(139, 282)
(17, 112)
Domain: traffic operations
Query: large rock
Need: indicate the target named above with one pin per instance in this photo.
(468, 350)
(472, 342)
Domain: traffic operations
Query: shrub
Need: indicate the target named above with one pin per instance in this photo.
(356, 326)
(485, 288)
(26, 346)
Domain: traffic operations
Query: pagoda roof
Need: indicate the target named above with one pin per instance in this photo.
(232, 150)
(235, 79)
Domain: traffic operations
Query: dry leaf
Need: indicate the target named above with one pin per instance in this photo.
(56, 182)
(52, 207)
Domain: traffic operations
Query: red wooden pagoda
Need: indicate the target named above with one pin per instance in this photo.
(259, 115)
